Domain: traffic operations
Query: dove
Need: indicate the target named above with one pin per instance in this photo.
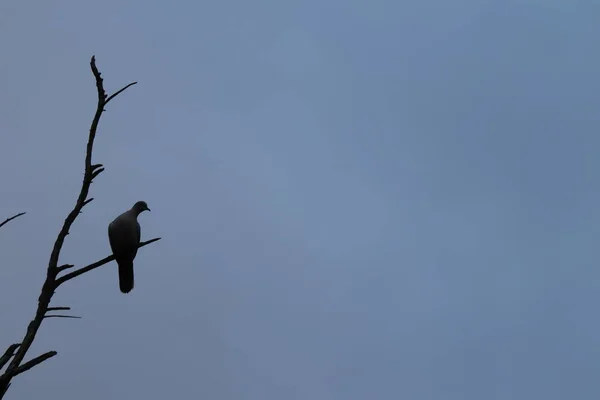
(124, 237)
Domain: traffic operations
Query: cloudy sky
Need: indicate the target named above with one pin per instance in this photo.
(357, 200)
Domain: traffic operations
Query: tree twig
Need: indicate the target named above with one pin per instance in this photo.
(7, 220)
(63, 267)
(118, 92)
(85, 203)
(61, 316)
(58, 309)
(8, 354)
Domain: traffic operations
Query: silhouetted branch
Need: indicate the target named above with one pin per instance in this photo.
(63, 267)
(8, 354)
(96, 173)
(88, 201)
(61, 316)
(95, 265)
(58, 309)
(33, 362)
(7, 220)
(91, 171)
(118, 92)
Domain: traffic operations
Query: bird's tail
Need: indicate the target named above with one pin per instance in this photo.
(125, 275)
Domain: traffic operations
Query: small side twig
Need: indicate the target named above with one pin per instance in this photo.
(61, 316)
(58, 309)
(88, 201)
(118, 92)
(8, 354)
(7, 220)
(63, 267)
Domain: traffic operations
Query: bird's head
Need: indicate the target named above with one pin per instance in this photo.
(140, 207)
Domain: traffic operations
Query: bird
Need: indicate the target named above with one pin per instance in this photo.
(124, 236)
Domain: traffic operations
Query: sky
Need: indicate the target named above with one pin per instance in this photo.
(357, 200)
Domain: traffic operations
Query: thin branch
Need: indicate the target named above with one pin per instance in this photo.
(63, 267)
(97, 172)
(8, 354)
(33, 362)
(95, 265)
(88, 201)
(61, 316)
(118, 92)
(7, 220)
(58, 309)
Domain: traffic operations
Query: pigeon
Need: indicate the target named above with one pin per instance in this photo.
(124, 238)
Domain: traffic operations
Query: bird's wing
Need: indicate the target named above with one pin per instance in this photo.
(123, 235)
(138, 236)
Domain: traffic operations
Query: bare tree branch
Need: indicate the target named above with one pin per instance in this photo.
(95, 174)
(88, 201)
(7, 220)
(61, 316)
(63, 267)
(118, 92)
(33, 362)
(58, 309)
(95, 265)
(8, 354)
(91, 171)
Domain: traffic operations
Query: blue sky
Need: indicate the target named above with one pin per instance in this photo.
(357, 199)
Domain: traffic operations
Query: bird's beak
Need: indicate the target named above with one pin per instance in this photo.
(147, 209)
